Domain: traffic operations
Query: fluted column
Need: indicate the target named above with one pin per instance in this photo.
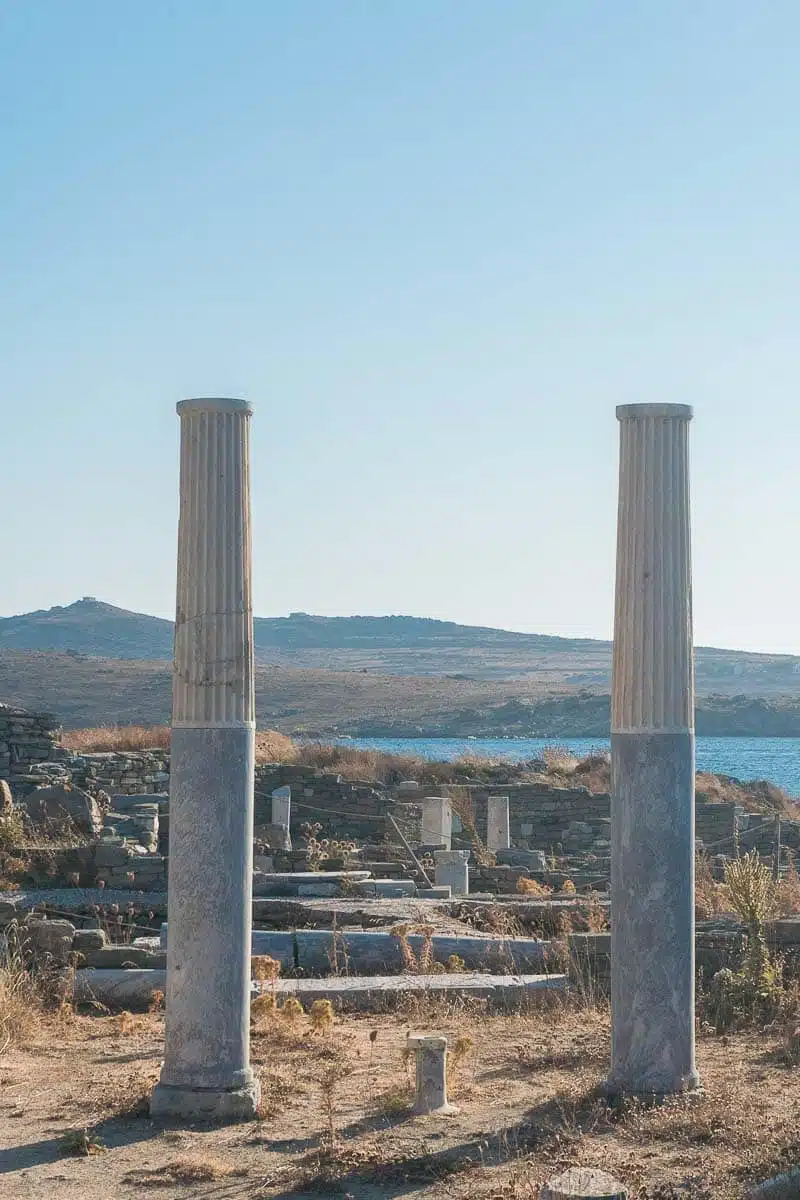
(206, 1070)
(652, 753)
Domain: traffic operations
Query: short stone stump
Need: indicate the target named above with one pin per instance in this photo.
(584, 1183)
(431, 1090)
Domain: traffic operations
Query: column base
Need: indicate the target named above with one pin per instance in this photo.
(444, 1110)
(217, 1105)
(618, 1089)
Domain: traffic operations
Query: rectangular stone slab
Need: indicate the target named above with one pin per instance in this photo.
(134, 989)
(286, 883)
(277, 943)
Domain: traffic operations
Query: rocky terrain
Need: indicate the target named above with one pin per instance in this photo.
(87, 691)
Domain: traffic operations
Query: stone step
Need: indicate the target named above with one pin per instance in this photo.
(373, 952)
(134, 988)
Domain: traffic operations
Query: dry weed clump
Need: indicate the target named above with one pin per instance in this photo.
(204, 1168)
(322, 1016)
(559, 761)
(710, 897)
(458, 1056)
(80, 1143)
(532, 887)
(423, 962)
(21, 1007)
(788, 892)
(274, 747)
(280, 1090)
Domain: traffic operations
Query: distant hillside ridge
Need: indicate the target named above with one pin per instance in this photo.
(91, 626)
(388, 645)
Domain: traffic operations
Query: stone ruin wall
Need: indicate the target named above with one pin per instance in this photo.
(541, 818)
(26, 740)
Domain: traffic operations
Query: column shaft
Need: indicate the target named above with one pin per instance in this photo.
(652, 745)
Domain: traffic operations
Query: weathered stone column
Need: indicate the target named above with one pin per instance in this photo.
(437, 821)
(652, 753)
(452, 870)
(431, 1089)
(206, 1070)
(498, 833)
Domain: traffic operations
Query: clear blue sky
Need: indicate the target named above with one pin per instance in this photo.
(434, 242)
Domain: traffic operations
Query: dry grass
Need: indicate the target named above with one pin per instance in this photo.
(197, 1169)
(377, 766)
(270, 745)
(757, 795)
(20, 1004)
(117, 738)
(339, 1118)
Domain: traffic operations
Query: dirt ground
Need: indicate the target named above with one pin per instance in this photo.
(526, 1086)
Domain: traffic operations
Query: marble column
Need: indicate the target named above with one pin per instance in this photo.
(437, 821)
(652, 760)
(206, 1072)
(498, 835)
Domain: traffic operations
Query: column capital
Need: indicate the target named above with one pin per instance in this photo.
(215, 404)
(668, 412)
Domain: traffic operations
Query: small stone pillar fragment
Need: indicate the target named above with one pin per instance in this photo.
(431, 1093)
(584, 1183)
(281, 838)
(437, 821)
(452, 869)
(652, 760)
(206, 1072)
(498, 832)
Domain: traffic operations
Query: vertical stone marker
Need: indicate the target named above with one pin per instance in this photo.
(206, 1072)
(281, 818)
(652, 753)
(437, 821)
(498, 833)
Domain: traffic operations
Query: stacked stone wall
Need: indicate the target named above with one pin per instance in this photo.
(353, 810)
(129, 773)
(27, 739)
(540, 817)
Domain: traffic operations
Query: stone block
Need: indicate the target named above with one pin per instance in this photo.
(452, 869)
(62, 802)
(323, 891)
(111, 853)
(48, 940)
(532, 860)
(89, 939)
(388, 889)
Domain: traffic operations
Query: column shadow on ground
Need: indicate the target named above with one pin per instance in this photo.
(113, 1133)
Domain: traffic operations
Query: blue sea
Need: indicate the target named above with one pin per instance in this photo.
(775, 759)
